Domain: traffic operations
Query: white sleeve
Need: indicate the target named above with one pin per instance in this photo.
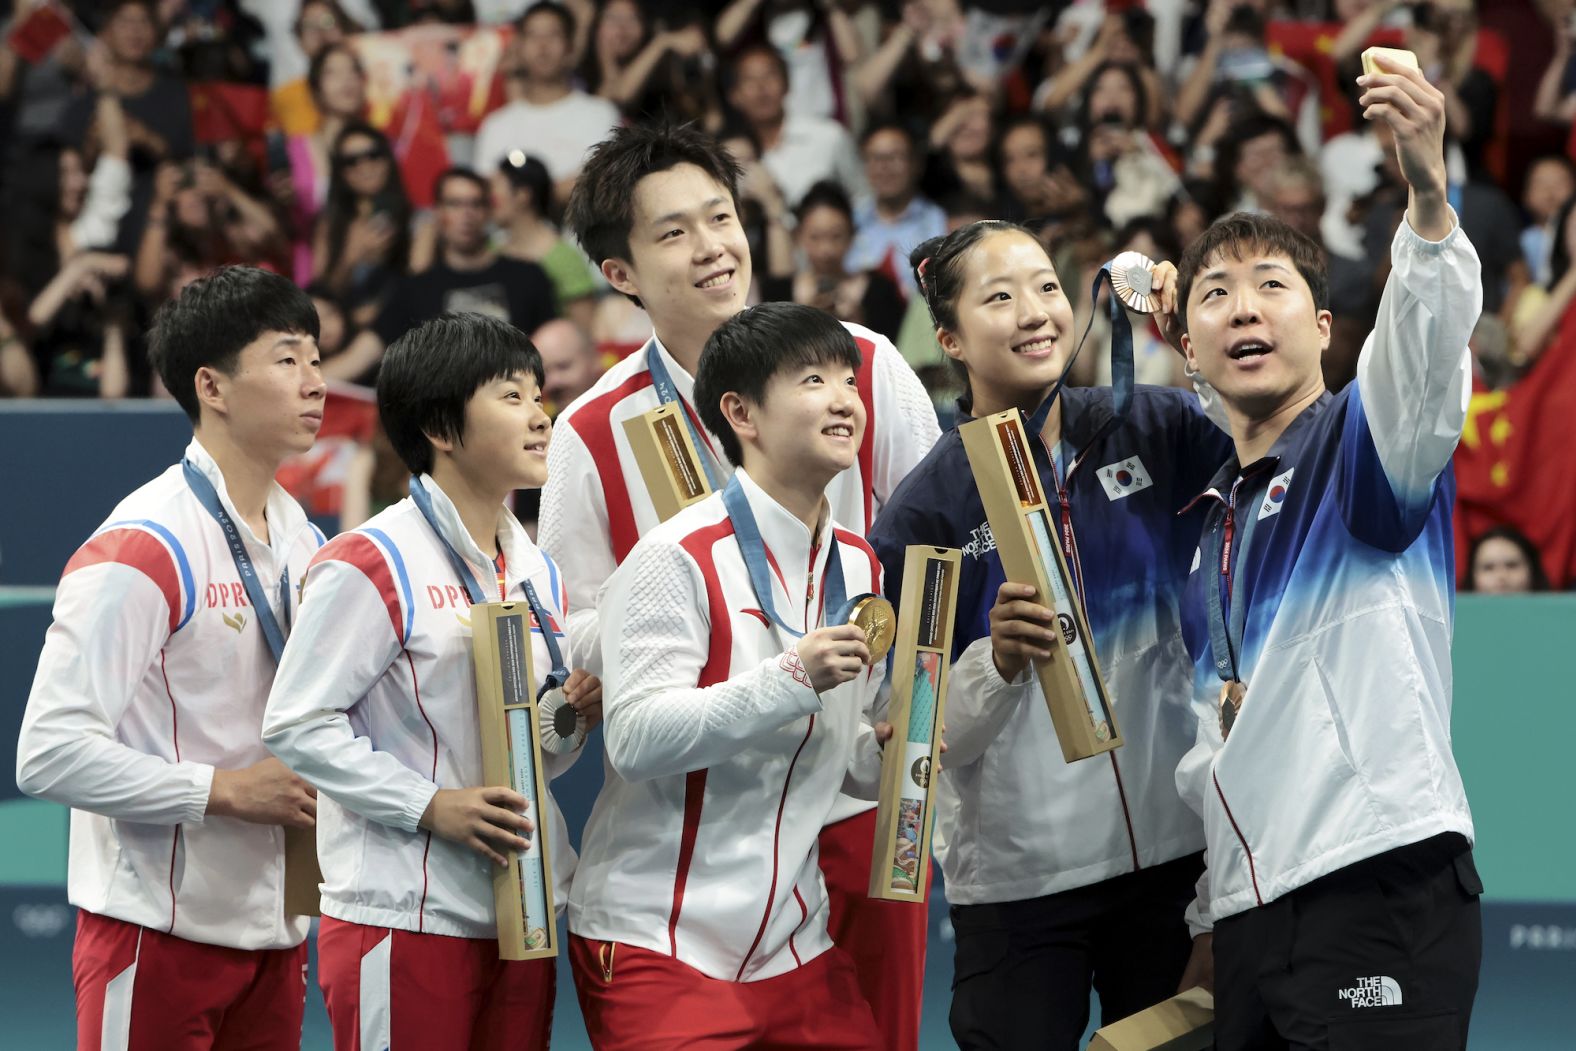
(656, 640)
(341, 645)
(1414, 376)
(111, 621)
(980, 702)
(1192, 780)
(572, 528)
(906, 424)
(108, 200)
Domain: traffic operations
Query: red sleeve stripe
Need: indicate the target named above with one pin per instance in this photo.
(594, 423)
(358, 550)
(867, 448)
(140, 550)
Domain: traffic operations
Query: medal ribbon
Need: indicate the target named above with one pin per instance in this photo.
(209, 498)
(558, 674)
(1227, 619)
(834, 593)
(667, 392)
(1121, 349)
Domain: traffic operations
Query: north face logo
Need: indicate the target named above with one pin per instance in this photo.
(1380, 991)
(981, 541)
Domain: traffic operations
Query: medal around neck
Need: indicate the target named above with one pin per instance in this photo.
(1133, 281)
(874, 616)
(904, 815)
(512, 757)
(560, 728)
(1027, 540)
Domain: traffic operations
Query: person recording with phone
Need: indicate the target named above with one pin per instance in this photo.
(362, 241)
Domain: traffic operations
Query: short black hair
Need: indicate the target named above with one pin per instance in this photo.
(754, 345)
(730, 69)
(601, 209)
(565, 17)
(530, 175)
(430, 373)
(464, 175)
(215, 318)
(875, 128)
(1243, 233)
(828, 193)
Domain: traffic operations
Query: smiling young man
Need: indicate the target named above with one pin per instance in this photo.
(655, 208)
(375, 704)
(738, 704)
(1340, 882)
(147, 706)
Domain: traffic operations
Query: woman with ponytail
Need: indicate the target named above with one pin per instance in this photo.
(1062, 877)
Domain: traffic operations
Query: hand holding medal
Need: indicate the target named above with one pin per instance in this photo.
(1148, 287)
(566, 715)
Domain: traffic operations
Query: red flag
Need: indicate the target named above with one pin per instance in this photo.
(35, 35)
(221, 111)
(1516, 464)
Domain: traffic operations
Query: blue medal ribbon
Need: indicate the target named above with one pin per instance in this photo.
(1121, 349)
(834, 591)
(667, 392)
(559, 673)
(209, 498)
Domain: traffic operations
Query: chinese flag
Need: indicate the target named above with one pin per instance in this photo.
(36, 33)
(223, 111)
(1516, 464)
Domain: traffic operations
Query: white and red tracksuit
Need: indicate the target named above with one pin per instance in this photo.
(153, 675)
(699, 881)
(595, 507)
(375, 705)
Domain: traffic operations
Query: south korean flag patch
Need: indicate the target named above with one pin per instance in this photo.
(1124, 478)
(1275, 495)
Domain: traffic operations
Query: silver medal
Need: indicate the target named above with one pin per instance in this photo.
(560, 728)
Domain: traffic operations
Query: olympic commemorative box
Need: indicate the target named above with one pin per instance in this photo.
(1003, 466)
(1186, 1022)
(303, 878)
(512, 757)
(905, 813)
(668, 460)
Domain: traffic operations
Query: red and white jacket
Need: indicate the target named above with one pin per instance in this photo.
(595, 506)
(375, 705)
(722, 762)
(154, 674)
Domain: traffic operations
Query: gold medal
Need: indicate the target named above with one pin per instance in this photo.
(1231, 695)
(874, 616)
(1133, 281)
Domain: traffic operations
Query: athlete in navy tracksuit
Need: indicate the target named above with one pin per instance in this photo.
(1060, 875)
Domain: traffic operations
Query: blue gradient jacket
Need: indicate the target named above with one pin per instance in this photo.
(1342, 574)
(1013, 819)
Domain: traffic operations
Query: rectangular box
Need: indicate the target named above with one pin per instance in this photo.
(512, 757)
(1026, 539)
(905, 814)
(303, 878)
(669, 462)
(1186, 1022)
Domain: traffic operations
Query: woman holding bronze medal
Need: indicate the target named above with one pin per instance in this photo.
(1063, 876)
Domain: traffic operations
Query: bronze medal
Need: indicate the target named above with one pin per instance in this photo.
(874, 616)
(1133, 281)
(1231, 696)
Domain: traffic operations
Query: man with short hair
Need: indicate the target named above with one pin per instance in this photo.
(547, 116)
(467, 276)
(569, 363)
(1340, 889)
(798, 150)
(895, 217)
(146, 711)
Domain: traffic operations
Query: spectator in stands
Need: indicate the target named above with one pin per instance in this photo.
(1550, 181)
(1117, 160)
(914, 72)
(960, 152)
(521, 192)
(646, 72)
(546, 115)
(895, 217)
(823, 232)
(338, 88)
(295, 34)
(200, 216)
(1036, 173)
(817, 42)
(570, 364)
(362, 242)
(157, 105)
(1503, 561)
(1125, 38)
(1252, 148)
(1540, 311)
(18, 373)
(1237, 64)
(799, 150)
(468, 275)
